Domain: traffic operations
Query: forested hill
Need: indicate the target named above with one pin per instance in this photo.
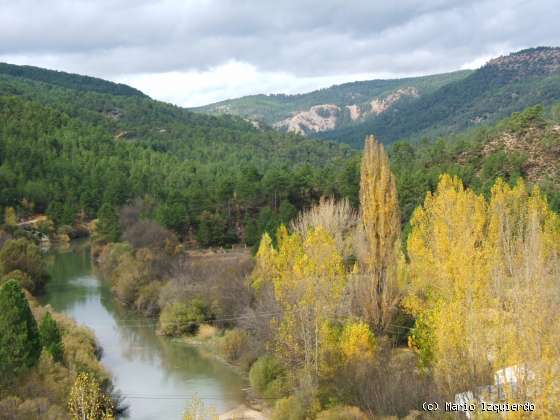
(68, 80)
(411, 108)
(502, 86)
(338, 106)
(75, 153)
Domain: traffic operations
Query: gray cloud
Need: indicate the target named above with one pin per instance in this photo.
(112, 38)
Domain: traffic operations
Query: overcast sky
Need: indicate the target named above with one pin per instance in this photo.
(193, 52)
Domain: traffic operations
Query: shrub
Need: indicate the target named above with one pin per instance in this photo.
(342, 413)
(234, 344)
(296, 407)
(22, 278)
(267, 377)
(289, 408)
(21, 254)
(147, 299)
(182, 318)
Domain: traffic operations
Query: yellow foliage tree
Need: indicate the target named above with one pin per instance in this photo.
(307, 276)
(197, 410)
(376, 291)
(448, 265)
(524, 236)
(10, 216)
(87, 400)
(485, 288)
(357, 342)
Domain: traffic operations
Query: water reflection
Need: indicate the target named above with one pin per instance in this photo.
(156, 375)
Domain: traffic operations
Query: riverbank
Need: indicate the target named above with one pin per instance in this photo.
(157, 376)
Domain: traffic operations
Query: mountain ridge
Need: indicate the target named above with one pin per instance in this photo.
(449, 104)
(69, 80)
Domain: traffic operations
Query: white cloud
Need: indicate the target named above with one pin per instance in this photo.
(229, 80)
(195, 51)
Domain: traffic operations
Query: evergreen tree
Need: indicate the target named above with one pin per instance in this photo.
(20, 346)
(51, 338)
(108, 223)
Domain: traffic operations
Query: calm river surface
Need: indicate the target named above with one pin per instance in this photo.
(156, 375)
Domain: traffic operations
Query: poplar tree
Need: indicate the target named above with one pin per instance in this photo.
(88, 401)
(379, 211)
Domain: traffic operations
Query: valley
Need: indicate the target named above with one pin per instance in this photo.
(328, 255)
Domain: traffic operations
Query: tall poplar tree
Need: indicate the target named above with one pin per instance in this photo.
(379, 210)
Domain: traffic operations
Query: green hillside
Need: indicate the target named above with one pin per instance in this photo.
(504, 85)
(273, 108)
(410, 108)
(74, 152)
(68, 80)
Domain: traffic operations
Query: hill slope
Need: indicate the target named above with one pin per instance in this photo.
(334, 107)
(411, 108)
(73, 152)
(68, 80)
(502, 86)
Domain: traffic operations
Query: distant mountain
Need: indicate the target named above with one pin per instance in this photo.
(411, 108)
(68, 80)
(332, 108)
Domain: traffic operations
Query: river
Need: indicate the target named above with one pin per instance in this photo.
(157, 376)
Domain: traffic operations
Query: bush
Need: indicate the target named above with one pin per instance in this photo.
(22, 278)
(289, 408)
(21, 254)
(182, 318)
(234, 344)
(296, 407)
(342, 413)
(267, 377)
(147, 299)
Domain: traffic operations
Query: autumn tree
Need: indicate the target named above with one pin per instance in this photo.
(307, 276)
(338, 218)
(448, 267)
(20, 347)
(484, 282)
(379, 253)
(197, 410)
(87, 400)
(524, 244)
(10, 217)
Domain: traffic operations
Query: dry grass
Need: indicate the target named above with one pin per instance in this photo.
(206, 332)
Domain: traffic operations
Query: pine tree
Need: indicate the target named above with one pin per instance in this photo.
(108, 223)
(51, 339)
(20, 346)
(380, 218)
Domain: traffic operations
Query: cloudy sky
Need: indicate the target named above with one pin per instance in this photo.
(193, 52)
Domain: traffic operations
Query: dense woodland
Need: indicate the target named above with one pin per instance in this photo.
(372, 272)
(216, 180)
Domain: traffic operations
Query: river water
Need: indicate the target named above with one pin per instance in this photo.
(157, 376)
